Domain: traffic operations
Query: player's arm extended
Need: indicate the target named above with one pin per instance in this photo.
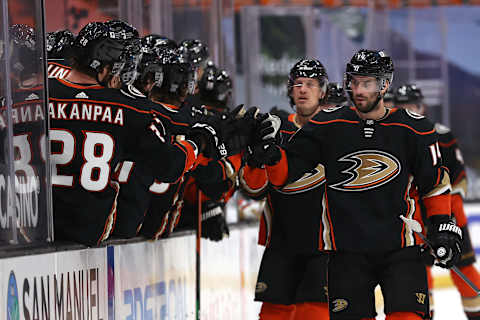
(301, 154)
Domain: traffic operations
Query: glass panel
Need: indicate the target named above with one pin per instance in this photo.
(26, 213)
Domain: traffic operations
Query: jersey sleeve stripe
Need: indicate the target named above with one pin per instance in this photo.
(447, 144)
(408, 127)
(189, 150)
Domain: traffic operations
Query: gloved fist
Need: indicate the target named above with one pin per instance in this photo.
(214, 224)
(207, 136)
(269, 126)
(265, 153)
(240, 126)
(445, 238)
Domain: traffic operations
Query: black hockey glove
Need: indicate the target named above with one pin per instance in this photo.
(240, 128)
(266, 153)
(445, 238)
(206, 134)
(214, 224)
(269, 127)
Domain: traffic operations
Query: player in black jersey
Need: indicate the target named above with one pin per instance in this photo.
(371, 156)
(410, 97)
(29, 141)
(216, 179)
(292, 277)
(94, 128)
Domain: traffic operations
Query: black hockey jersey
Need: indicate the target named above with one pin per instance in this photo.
(29, 152)
(369, 168)
(92, 130)
(292, 215)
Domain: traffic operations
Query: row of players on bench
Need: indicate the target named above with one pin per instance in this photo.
(137, 180)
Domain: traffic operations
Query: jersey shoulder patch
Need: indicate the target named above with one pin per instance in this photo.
(414, 115)
(441, 129)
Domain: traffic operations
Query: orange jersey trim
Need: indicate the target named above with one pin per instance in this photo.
(79, 86)
(458, 211)
(447, 144)
(189, 153)
(336, 120)
(278, 173)
(255, 178)
(235, 161)
(170, 119)
(408, 127)
(438, 205)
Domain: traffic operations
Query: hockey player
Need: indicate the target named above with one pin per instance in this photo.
(410, 97)
(94, 128)
(336, 95)
(292, 278)
(371, 156)
(215, 89)
(29, 130)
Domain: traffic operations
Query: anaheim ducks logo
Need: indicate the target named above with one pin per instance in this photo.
(370, 169)
(308, 181)
(339, 305)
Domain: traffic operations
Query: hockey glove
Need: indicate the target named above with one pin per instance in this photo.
(214, 224)
(266, 153)
(445, 238)
(240, 129)
(269, 127)
(207, 136)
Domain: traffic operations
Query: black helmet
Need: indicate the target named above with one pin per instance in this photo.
(335, 93)
(215, 84)
(307, 68)
(155, 41)
(122, 30)
(197, 51)
(177, 71)
(25, 53)
(97, 45)
(371, 63)
(408, 93)
(133, 54)
(59, 43)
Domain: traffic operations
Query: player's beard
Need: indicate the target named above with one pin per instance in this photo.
(368, 104)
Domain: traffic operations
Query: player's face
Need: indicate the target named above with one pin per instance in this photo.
(417, 108)
(365, 92)
(306, 94)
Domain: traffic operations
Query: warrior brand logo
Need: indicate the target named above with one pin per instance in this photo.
(339, 305)
(370, 169)
(308, 181)
(260, 287)
(421, 297)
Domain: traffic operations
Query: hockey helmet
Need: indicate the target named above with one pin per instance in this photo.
(307, 68)
(196, 50)
(24, 51)
(178, 72)
(335, 94)
(58, 43)
(408, 93)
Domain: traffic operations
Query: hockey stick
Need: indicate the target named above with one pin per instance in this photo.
(197, 260)
(441, 251)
